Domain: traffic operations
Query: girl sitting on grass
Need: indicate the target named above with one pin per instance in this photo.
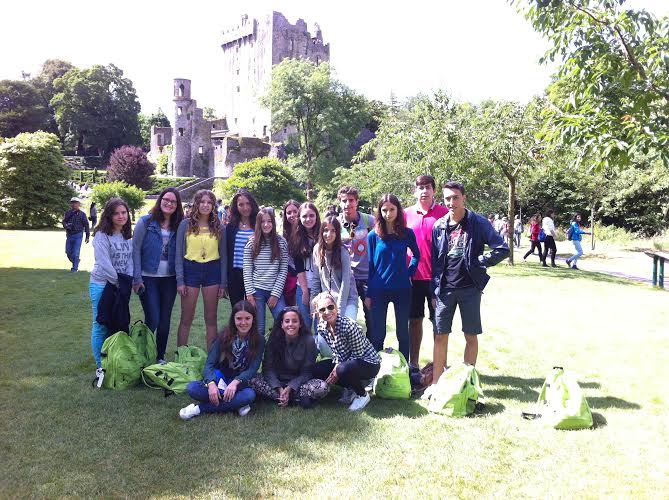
(234, 358)
(112, 247)
(287, 371)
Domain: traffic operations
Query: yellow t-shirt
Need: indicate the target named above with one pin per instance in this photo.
(201, 247)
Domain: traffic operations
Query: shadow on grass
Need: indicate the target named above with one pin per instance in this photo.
(608, 402)
(563, 273)
(488, 409)
(524, 390)
(598, 420)
(386, 408)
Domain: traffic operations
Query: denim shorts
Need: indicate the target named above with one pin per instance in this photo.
(201, 274)
(468, 300)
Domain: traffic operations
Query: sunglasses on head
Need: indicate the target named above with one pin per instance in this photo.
(329, 307)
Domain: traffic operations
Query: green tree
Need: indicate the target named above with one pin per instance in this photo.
(33, 181)
(147, 121)
(132, 195)
(22, 109)
(96, 107)
(611, 93)
(327, 115)
(267, 178)
(43, 82)
(209, 113)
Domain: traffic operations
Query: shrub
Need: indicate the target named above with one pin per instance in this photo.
(160, 183)
(33, 181)
(89, 176)
(130, 165)
(161, 164)
(132, 195)
(270, 181)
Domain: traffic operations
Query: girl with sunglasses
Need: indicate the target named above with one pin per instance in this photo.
(354, 359)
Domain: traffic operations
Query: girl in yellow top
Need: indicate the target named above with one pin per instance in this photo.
(201, 264)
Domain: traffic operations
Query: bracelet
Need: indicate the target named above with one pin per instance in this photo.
(211, 382)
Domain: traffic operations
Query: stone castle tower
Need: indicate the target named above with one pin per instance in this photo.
(250, 50)
(193, 153)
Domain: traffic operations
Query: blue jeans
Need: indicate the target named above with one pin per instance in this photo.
(579, 251)
(73, 248)
(98, 332)
(262, 296)
(199, 392)
(401, 299)
(157, 302)
(304, 310)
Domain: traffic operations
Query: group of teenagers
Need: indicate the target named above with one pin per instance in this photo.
(543, 231)
(312, 277)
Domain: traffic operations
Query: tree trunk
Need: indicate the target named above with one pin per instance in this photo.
(310, 190)
(510, 216)
(592, 225)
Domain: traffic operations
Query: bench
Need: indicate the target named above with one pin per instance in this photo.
(658, 258)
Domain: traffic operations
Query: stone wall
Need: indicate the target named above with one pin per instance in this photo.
(160, 137)
(233, 150)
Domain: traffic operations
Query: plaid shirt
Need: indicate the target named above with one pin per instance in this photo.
(349, 342)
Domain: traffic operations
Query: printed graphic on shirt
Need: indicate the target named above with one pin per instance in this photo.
(163, 252)
(456, 242)
(121, 254)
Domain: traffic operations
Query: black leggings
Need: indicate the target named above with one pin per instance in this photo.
(535, 244)
(549, 244)
(236, 286)
(350, 373)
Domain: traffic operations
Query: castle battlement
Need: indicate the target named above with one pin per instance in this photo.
(247, 27)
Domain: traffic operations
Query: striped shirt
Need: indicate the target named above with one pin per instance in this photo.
(348, 342)
(242, 237)
(263, 273)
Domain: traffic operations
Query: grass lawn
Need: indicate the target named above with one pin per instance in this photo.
(60, 437)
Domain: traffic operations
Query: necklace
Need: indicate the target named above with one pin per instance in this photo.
(203, 253)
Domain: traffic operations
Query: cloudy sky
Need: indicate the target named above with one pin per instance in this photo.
(473, 49)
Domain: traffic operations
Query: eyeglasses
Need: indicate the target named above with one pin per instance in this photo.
(167, 201)
(328, 307)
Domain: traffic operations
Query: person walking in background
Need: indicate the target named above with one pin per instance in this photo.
(332, 269)
(548, 226)
(75, 223)
(112, 247)
(200, 264)
(420, 218)
(93, 215)
(288, 365)
(243, 212)
(459, 273)
(354, 359)
(355, 228)
(517, 230)
(265, 267)
(233, 360)
(576, 237)
(389, 273)
(154, 255)
(535, 229)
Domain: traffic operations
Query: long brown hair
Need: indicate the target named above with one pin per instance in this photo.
(276, 344)
(336, 246)
(228, 334)
(299, 243)
(106, 224)
(214, 222)
(235, 216)
(400, 224)
(157, 212)
(287, 226)
(259, 237)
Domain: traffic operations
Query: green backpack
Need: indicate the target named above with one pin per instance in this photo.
(145, 341)
(121, 361)
(561, 403)
(457, 392)
(392, 381)
(193, 356)
(172, 377)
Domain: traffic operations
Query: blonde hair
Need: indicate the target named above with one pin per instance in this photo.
(322, 296)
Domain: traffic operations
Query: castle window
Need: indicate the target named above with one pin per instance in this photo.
(285, 130)
(200, 150)
(237, 71)
(318, 60)
(181, 132)
(235, 121)
(180, 111)
(237, 88)
(181, 90)
(292, 45)
(264, 130)
(188, 116)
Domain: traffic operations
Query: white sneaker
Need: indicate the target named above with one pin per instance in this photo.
(162, 362)
(190, 411)
(99, 376)
(347, 396)
(370, 386)
(359, 402)
(244, 410)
